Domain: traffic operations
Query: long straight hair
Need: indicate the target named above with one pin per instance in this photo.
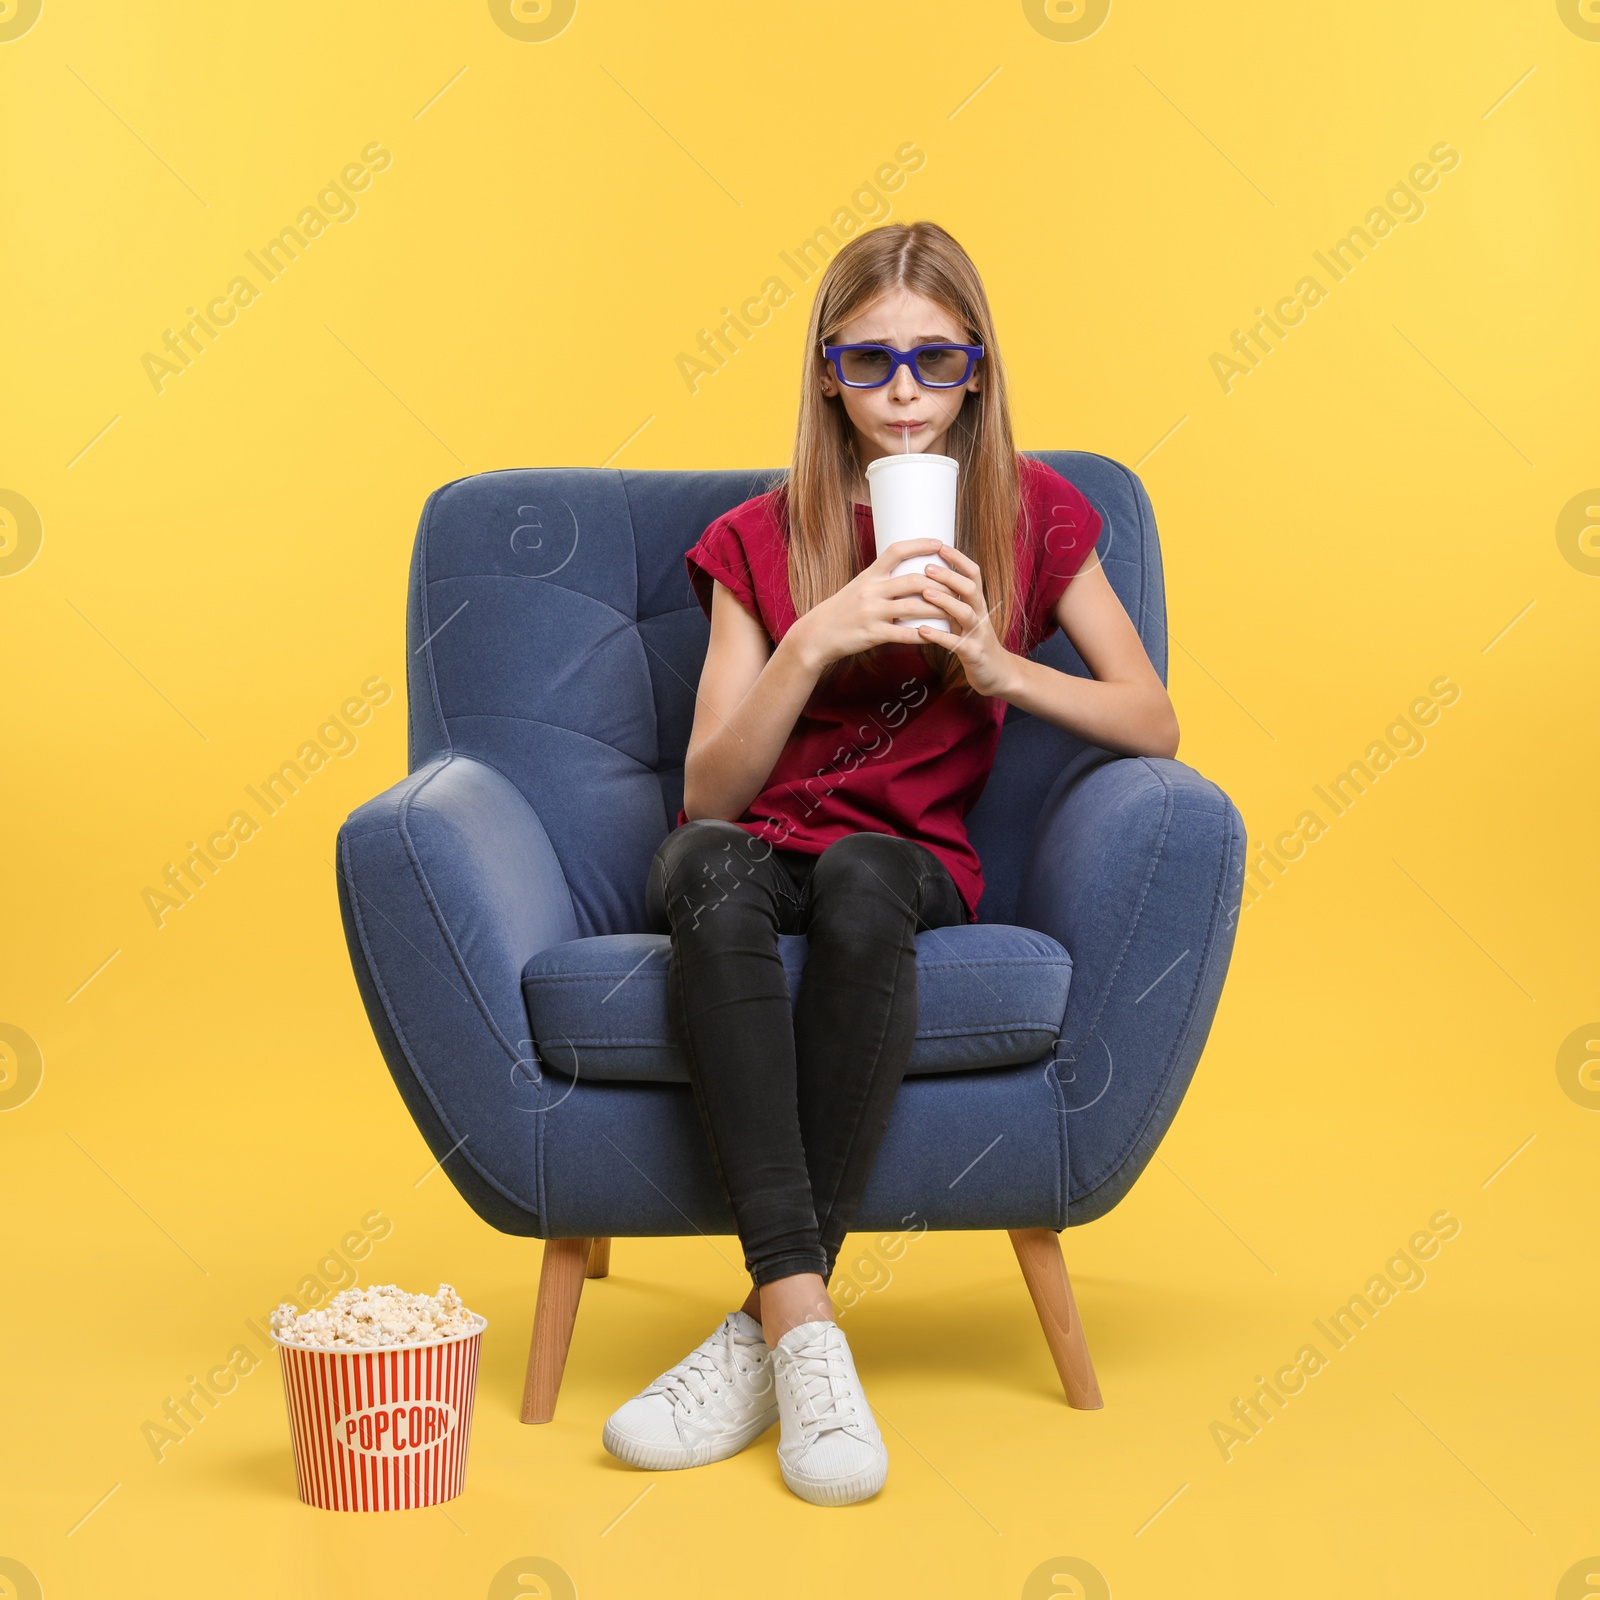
(822, 550)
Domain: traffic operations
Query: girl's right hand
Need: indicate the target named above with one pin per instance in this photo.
(861, 614)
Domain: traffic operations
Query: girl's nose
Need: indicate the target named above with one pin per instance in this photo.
(904, 386)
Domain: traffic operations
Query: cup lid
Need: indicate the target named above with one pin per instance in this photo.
(886, 461)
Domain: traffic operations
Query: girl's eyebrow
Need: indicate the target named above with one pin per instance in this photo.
(925, 338)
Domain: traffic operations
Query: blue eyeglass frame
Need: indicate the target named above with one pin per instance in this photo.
(902, 358)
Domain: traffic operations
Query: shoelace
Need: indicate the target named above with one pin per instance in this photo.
(823, 1406)
(701, 1375)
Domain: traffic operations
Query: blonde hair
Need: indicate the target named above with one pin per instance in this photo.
(822, 548)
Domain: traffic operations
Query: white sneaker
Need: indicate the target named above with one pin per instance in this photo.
(829, 1447)
(710, 1406)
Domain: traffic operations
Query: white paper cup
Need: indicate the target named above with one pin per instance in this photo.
(914, 497)
(384, 1429)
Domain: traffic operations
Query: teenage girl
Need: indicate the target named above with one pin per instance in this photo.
(834, 756)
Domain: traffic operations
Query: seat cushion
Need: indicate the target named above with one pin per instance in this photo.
(988, 995)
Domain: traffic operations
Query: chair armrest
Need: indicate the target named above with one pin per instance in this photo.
(448, 884)
(1137, 867)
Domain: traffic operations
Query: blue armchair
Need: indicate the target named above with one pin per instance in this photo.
(494, 906)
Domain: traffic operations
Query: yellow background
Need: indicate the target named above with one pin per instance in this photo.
(224, 563)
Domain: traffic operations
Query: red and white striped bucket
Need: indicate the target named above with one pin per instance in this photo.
(384, 1429)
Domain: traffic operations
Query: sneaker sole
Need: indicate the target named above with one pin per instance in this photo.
(673, 1458)
(838, 1491)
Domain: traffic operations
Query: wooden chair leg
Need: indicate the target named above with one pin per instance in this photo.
(599, 1258)
(560, 1286)
(1045, 1272)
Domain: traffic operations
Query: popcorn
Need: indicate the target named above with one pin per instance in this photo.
(379, 1316)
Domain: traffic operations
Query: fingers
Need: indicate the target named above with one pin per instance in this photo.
(910, 605)
(897, 552)
(964, 594)
(886, 632)
(950, 577)
(914, 615)
(957, 610)
(952, 557)
(906, 583)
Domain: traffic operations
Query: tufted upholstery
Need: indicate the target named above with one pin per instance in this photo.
(578, 685)
(553, 648)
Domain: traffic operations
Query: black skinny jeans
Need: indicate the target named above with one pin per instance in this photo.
(794, 1103)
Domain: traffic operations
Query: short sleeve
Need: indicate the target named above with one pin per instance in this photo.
(720, 554)
(1063, 530)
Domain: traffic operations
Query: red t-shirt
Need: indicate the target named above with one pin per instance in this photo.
(882, 753)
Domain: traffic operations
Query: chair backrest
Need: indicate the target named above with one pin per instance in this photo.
(551, 633)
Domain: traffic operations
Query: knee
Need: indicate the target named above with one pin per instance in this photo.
(868, 868)
(690, 852)
(702, 867)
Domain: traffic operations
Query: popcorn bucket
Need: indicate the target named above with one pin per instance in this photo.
(384, 1429)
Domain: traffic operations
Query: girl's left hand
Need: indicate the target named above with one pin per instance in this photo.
(956, 588)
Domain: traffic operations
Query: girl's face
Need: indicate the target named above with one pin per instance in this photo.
(902, 413)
